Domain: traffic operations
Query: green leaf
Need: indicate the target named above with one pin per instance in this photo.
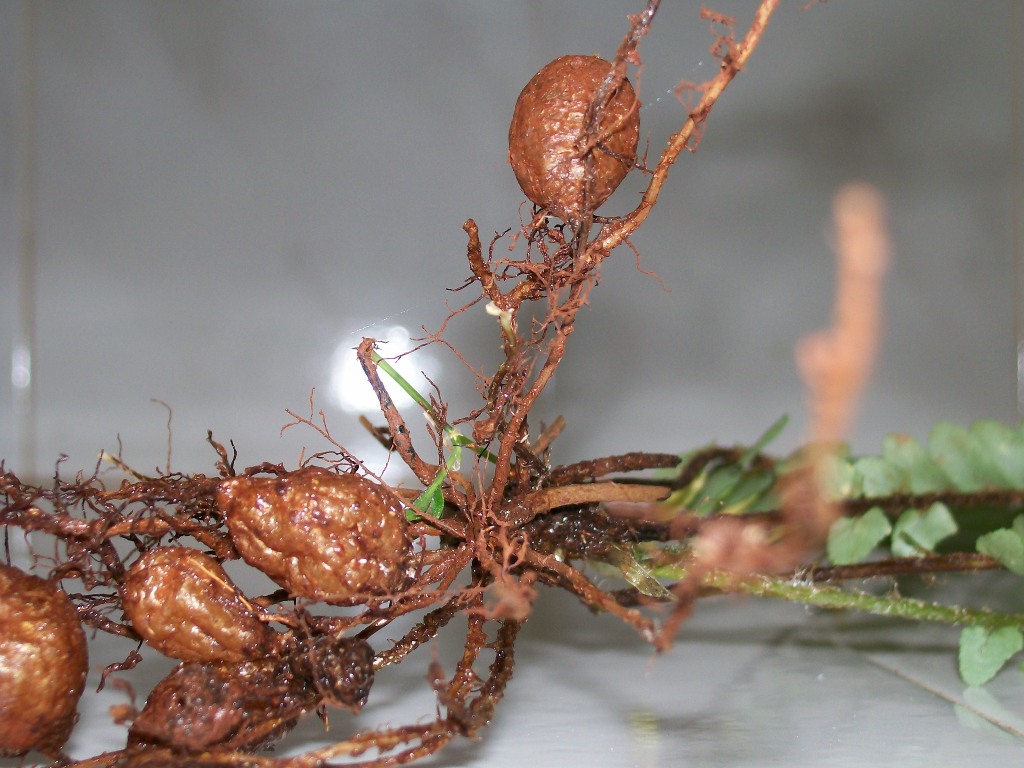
(435, 505)
(1003, 451)
(752, 489)
(985, 456)
(916, 533)
(1005, 545)
(769, 434)
(878, 476)
(841, 481)
(719, 485)
(431, 500)
(455, 438)
(685, 497)
(949, 446)
(851, 539)
(401, 381)
(920, 473)
(984, 651)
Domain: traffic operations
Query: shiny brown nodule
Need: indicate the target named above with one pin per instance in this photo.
(548, 128)
(43, 664)
(184, 605)
(341, 539)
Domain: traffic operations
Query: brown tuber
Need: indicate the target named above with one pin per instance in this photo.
(199, 705)
(184, 605)
(43, 664)
(341, 539)
(547, 141)
(251, 704)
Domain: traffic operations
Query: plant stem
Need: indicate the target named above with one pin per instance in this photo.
(879, 605)
(614, 234)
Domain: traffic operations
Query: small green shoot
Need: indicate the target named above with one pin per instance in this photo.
(431, 501)
(452, 435)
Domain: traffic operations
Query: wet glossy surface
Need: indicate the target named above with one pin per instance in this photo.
(337, 538)
(549, 118)
(43, 664)
(183, 604)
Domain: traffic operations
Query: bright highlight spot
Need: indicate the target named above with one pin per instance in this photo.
(21, 367)
(348, 387)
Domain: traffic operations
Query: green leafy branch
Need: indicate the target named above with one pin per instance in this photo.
(952, 503)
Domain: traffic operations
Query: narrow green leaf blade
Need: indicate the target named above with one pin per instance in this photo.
(769, 434)
(753, 489)
(720, 484)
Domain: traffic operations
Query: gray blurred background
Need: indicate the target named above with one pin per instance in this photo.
(228, 195)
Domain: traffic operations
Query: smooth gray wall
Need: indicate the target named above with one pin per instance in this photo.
(228, 191)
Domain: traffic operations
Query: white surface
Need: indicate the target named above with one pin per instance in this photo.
(228, 192)
(750, 683)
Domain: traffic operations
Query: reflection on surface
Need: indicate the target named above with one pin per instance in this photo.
(349, 389)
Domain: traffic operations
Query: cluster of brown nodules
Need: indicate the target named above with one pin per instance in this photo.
(243, 685)
(251, 667)
(249, 705)
(563, 164)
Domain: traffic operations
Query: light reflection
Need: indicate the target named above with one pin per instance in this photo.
(348, 387)
(21, 367)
